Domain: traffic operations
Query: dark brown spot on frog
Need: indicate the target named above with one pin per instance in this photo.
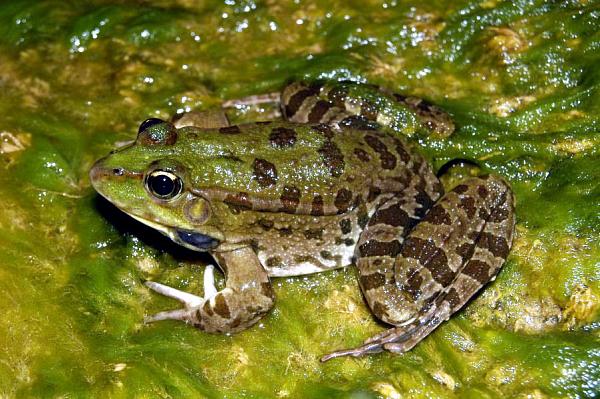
(368, 110)
(285, 232)
(267, 289)
(362, 219)
(392, 215)
(239, 201)
(430, 256)
(337, 95)
(265, 224)
(313, 234)
(281, 137)
(402, 152)
(468, 205)
(345, 226)
(273, 261)
(497, 245)
(465, 251)
(380, 310)
(326, 255)
(290, 198)
(453, 298)
(418, 248)
(412, 285)
(484, 214)
(308, 259)
(373, 193)
(388, 160)
(362, 155)
(359, 122)
(265, 173)
(344, 241)
(296, 100)
(235, 322)
(342, 200)
(438, 215)
(380, 248)
(317, 206)
(220, 307)
(372, 281)
(207, 309)
(332, 158)
(417, 166)
(439, 269)
(423, 199)
(498, 215)
(230, 130)
(460, 189)
(477, 270)
(318, 110)
(482, 191)
(324, 129)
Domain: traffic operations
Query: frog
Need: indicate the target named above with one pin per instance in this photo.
(331, 184)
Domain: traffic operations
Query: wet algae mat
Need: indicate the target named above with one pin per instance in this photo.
(522, 80)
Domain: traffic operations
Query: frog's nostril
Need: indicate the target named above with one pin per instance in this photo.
(118, 171)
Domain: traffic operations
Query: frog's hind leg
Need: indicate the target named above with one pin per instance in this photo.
(458, 247)
(246, 298)
(362, 106)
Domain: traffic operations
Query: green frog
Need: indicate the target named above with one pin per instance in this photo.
(331, 185)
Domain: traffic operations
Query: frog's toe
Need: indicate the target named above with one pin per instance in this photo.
(178, 314)
(189, 300)
(363, 350)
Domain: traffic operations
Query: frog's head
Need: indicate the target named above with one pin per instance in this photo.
(149, 181)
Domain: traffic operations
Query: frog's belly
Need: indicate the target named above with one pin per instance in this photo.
(306, 264)
(305, 254)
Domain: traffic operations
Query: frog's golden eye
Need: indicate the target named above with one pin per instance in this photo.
(164, 184)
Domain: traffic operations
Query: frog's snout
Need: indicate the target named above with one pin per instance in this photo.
(97, 172)
(100, 172)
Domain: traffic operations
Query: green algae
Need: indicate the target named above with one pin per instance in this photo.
(521, 80)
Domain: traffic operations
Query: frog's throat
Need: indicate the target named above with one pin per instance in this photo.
(189, 239)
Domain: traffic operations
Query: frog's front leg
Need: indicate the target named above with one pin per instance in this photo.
(246, 298)
(451, 254)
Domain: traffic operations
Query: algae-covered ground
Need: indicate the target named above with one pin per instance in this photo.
(522, 80)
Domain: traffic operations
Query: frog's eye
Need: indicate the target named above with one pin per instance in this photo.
(164, 184)
(149, 123)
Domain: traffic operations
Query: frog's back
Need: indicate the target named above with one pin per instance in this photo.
(297, 168)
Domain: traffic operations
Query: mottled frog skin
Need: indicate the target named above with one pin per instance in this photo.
(330, 186)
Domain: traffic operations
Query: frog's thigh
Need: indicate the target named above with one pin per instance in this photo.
(458, 247)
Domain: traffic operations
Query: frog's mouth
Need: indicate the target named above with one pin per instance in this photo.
(189, 239)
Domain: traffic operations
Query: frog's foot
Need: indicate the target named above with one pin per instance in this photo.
(190, 302)
(398, 339)
(246, 298)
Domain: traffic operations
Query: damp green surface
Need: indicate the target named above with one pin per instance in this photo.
(522, 80)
